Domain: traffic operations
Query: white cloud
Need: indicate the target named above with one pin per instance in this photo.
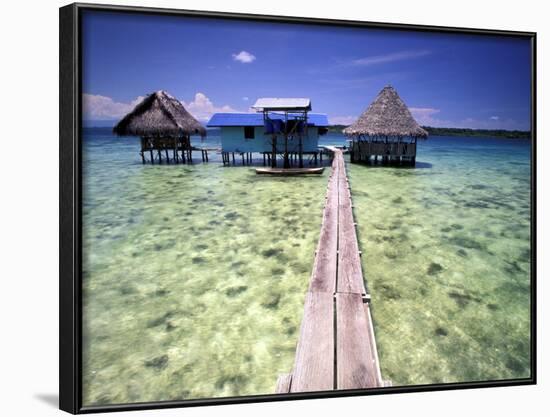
(98, 107)
(244, 57)
(494, 118)
(202, 107)
(387, 58)
(245, 98)
(342, 120)
(424, 116)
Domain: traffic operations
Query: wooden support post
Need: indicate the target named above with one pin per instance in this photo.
(206, 154)
(274, 151)
(233, 155)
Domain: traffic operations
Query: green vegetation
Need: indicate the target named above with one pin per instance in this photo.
(453, 131)
(500, 133)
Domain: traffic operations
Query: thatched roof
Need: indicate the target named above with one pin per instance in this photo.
(386, 116)
(159, 114)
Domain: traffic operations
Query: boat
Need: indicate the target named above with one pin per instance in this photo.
(290, 171)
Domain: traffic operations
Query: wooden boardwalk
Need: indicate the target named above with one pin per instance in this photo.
(336, 347)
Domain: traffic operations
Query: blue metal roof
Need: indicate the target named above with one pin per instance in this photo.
(257, 119)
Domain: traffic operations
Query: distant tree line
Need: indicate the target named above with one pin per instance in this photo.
(453, 131)
(501, 133)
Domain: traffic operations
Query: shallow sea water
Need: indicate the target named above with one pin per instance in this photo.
(194, 275)
(446, 256)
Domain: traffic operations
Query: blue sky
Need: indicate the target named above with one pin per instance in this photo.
(214, 65)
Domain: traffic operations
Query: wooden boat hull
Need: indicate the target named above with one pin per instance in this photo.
(290, 171)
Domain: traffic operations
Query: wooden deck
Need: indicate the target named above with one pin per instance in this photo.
(336, 347)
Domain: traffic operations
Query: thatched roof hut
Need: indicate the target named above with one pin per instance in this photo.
(159, 115)
(387, 116)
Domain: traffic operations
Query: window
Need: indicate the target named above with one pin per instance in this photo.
(249, 132)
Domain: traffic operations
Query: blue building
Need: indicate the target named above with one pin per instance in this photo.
(280, 127)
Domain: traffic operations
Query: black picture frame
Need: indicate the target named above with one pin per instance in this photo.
(70, 242)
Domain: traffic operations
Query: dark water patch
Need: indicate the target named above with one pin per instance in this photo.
(161, 292)
(198, 260)
(476, 204)
(514, 364)
(513, 268)
(127, 289)
(237, 264)
(525, 255)
(235, 381)
(232, 215)
(158, 363)
(202, 246)
(397, 200)
(389, 292)
(277, 271)
(161, 246)
(456, 226)
(214, 222)
(462, 253)
(268, 253)
(234, 291)
(466, 242)
(492, 307)
(514, 288)
(480, 187)
(434, 268)
(272, 301)
(446, 229)
(463, 299)
(396, 224)
(289, 331)
(160, 320)
(440, 331)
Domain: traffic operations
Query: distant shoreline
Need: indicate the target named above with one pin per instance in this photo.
(433, 131)
(453, 131)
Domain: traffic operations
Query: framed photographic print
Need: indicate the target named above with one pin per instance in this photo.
(262, 208)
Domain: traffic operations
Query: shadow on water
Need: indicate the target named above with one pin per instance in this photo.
(422, 165)
(419, 165)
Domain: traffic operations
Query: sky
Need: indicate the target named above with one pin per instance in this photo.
(218, 65)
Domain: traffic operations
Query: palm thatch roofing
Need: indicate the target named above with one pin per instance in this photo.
(386, 116)
(159, 115)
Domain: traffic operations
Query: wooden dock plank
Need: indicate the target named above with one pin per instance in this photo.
(350, 275)
(323, 277)
(336, 272)
(357, 365)
(374, 349)
(283, 384)
(314, 364)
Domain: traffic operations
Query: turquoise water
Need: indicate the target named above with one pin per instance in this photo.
(194, 276)
(446, 254)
